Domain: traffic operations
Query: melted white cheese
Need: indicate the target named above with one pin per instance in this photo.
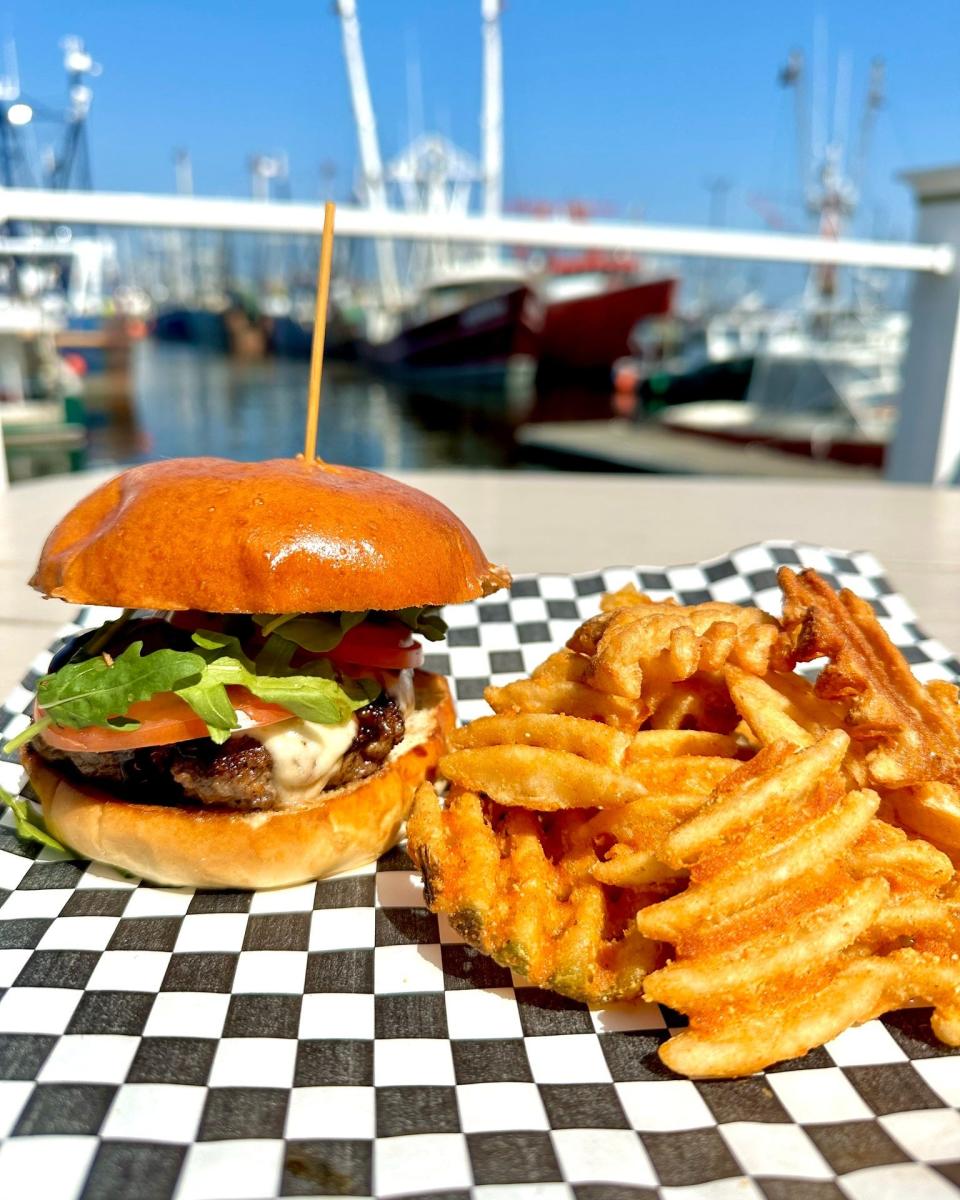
(304, 754)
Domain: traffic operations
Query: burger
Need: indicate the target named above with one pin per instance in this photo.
(256, 714)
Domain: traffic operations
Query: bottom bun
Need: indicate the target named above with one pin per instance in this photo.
(190, 847)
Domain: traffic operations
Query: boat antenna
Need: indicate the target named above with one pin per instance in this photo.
(14, 113)
(492, 114)
(319, 334)
(793, 75)
(875, 99)
(73, 161)
(374, 183)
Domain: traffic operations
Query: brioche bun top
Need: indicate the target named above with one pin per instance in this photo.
(275, 537)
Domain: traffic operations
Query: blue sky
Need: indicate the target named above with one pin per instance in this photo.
(626, 102)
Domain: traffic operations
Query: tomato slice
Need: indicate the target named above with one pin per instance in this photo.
(387, 644)
(164, 719)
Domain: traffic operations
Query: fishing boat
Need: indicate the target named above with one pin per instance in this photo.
(478, 327)
(453, 313)
(290, 332)
(834, 401)
(42, 416)
(589, 316)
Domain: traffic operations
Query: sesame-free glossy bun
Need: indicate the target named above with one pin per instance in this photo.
(191, 847)
(278, 536)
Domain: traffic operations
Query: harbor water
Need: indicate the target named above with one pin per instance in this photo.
(187, 400)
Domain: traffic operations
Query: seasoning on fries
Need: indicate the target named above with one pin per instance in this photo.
(667, 809)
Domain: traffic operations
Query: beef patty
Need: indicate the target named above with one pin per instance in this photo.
(236, 775)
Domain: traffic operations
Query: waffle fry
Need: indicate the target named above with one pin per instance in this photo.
(907, 733)
(668, 743)
(701, 702)
(914, 730)
(781, 707)
(757, 787)
(629, 596)
(795, 888)
(911, 866)
(599, 743)
(490, 871)
(651, 645)
(932, 811)
(547, 762)
(557, 686)
(668, 780)
(540, 779)
(626, 868)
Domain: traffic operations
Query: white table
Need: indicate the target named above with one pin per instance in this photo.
(534, 521)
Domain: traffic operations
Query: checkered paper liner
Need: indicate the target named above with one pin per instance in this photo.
(337, 1039)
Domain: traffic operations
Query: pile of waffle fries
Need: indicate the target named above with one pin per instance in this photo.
(667, 810)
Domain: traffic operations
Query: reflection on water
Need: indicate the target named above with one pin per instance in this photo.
(190, 401)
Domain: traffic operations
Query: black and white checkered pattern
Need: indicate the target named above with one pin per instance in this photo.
(337, 1039)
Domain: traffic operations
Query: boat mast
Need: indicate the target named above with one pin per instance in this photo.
(492, 112)
(14, 113)
(374, 184)
(875, 100)
(830, 195)
(793, 75)
(72, 166)
(180, 244)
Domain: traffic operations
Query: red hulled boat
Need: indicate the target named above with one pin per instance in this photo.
(589, 330)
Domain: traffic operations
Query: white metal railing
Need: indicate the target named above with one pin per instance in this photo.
(251, 216)
(927, 444)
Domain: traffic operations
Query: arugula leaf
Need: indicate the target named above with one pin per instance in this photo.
(212, 644)
(312, 697)
(363, 688)
(425, 622)
(321, 632)
(308, 697)
(98, 691)
(274, 658)
(27, 829)
(209, 700)
(317, 633)
(26, 735)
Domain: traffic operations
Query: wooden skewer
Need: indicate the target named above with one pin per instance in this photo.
(319, 333)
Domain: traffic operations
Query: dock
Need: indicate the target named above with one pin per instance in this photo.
(621, 445)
